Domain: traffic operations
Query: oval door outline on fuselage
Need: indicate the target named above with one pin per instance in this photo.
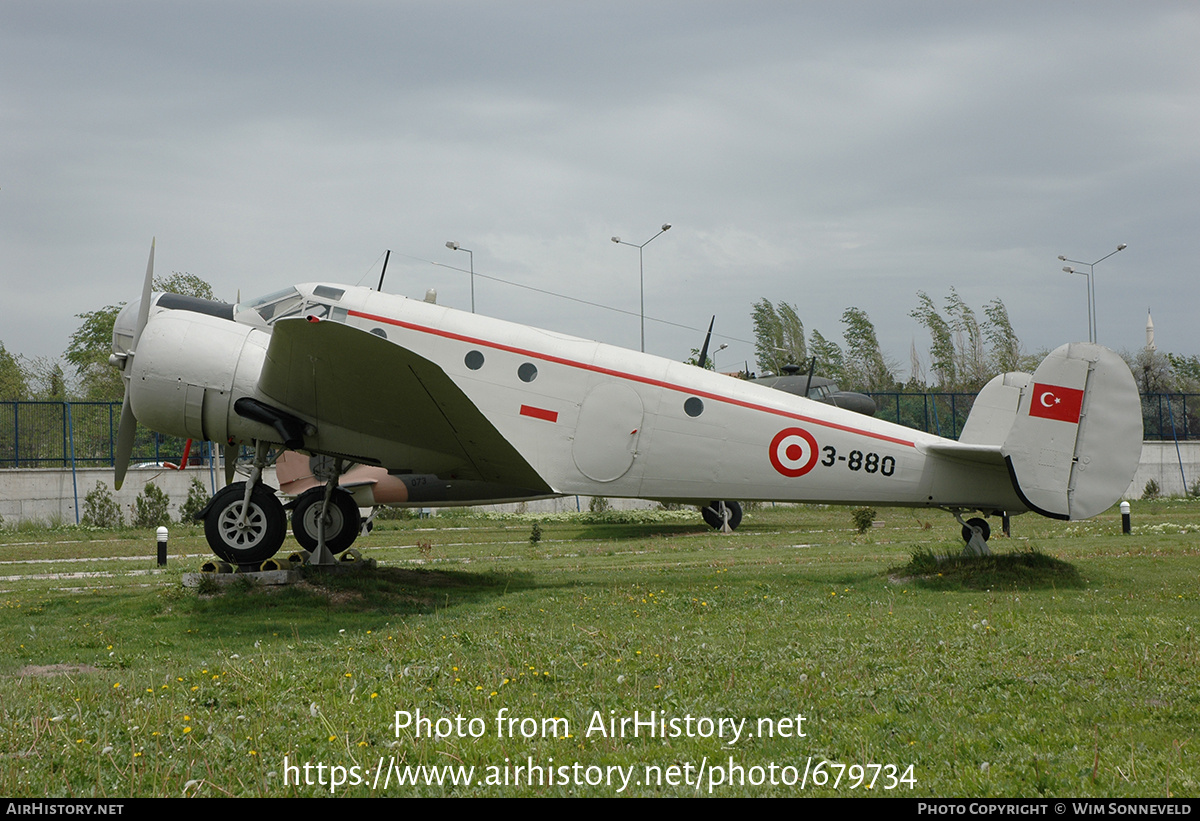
(610, 420)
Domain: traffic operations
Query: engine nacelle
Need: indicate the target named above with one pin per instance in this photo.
(187, 372)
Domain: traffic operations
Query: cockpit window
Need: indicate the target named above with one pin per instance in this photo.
(278, 305)
(290, 302)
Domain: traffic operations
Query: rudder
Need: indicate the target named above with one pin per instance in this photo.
(1076, 440)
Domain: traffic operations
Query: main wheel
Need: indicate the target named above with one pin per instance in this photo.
(342, 520)
(712, 514)
(253, 540)
(985, 530)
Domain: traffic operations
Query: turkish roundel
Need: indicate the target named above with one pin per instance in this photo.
(1056, 402)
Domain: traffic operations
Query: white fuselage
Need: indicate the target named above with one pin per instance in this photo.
(596, 419)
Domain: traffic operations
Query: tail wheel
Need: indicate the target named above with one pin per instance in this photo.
(714, 518)
(985, 530)
(249, 539)
(342, 520)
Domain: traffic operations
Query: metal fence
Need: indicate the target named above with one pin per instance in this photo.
(84, 434)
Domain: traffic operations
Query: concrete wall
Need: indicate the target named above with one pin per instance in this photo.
(48, 494)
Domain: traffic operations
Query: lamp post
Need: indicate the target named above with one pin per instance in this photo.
(720, 348)
(642, 273)
(454, 246)
(1091, 285)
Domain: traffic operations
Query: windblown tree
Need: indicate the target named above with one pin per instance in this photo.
(964, 353)
(1004, 347)
(866, 366)
(941, 347)
(778, 336)
(831, 362)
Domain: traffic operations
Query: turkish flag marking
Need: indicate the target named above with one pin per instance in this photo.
(539, 413)
(1056, 402)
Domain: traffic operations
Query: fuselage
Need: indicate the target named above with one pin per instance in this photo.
(596, 419)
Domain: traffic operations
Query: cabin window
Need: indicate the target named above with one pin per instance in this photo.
(693, 406)
(473, 360)
(527, 372)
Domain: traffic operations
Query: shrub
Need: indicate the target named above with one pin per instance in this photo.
(599, 504)
(151, 507)
(1151, 490)
(535, 535)
(197, 498)
(863, 517)
(100, 508)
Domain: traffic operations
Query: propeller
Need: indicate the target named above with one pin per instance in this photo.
(127, 432)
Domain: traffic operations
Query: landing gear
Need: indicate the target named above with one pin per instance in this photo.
(342, 519)
(719, 514)
(985, 530)
(975, 533)
(242, 532)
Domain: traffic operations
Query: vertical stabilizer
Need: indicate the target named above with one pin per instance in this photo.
(1077, 436)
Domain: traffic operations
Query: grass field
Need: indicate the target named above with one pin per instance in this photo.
(793, 657)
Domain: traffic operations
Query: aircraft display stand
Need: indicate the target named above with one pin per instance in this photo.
(275, 571)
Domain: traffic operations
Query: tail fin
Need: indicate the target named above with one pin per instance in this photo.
(1076, 433)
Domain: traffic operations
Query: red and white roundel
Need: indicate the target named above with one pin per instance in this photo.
(793, 452)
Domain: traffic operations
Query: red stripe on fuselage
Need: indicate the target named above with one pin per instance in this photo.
(539, 413)
(645, 380)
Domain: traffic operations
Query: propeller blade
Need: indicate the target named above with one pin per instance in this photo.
(126, 433)
(707, 339)
(231, 456)
(147, 290)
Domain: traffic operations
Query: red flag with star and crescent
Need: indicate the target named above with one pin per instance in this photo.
(1056, 402)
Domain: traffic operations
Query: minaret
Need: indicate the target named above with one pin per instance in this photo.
(1149, 332)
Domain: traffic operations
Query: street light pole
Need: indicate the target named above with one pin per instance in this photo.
(454, 246)
(642, 273)
(1091, 285)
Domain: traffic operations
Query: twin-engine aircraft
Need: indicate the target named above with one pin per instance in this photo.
(464, 409)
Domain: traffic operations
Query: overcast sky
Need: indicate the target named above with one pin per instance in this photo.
(825, 154)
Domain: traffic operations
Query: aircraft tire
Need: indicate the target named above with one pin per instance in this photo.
(262, 535)
(712, 514)
(342, 522)
(984, 527)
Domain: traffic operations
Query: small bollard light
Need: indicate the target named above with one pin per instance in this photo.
(162, 547)
(1125, 518)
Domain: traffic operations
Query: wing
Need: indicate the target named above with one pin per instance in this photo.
(345, 379)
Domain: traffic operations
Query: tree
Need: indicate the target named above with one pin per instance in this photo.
(1151, 371)
(970, 363)
(831, 362)
(91, 343)
(864, 359)
(88, 352)
(181, 282)
(14, 382)
(958, 359)
(1186, 371)
(1005, 347)
(47, 382)
(778, 336)
(941, 348)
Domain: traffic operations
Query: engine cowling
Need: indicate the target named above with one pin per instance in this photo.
(187, 372)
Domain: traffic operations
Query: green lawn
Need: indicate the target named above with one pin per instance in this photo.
(794, 650)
